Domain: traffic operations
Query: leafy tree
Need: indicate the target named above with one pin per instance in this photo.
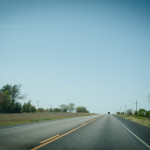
(6, 105)
(47, 110)
(63, 107)
(13, 91)
(25, 108)
(32, 109)
(135, 113)
(57, 110)
(17, 107)
(148, 114)
(28, 107)
(8, 98)
(142, 113)
(40, 109)
(71, 107)
(51, 110)
(81, 109)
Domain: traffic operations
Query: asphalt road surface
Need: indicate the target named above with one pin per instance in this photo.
(95, 132)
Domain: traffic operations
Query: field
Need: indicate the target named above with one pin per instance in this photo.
(21, 118)
(141, 120)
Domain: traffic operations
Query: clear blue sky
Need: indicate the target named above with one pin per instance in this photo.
(89, 52)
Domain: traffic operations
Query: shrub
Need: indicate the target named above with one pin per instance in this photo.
(81, 109)
(122, 113)
(57, 110)
(142, 113)
(135, 112)
(118, 113)
(148, 114)
(40, 109)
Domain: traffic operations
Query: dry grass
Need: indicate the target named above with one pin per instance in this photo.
(140, 120)
(20, 118)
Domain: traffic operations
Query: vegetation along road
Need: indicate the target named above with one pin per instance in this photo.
(96, 132)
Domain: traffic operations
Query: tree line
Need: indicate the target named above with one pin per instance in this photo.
(139, 113)
(11, 94)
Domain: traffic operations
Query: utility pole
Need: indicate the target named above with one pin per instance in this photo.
(136, 107)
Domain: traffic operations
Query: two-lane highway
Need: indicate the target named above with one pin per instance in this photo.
(81, 133)
(29, 135)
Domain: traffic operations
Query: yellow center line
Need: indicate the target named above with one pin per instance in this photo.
(54, 138)
(84, 124)
(49, 139)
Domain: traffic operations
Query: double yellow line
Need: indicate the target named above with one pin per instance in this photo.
(54, 138)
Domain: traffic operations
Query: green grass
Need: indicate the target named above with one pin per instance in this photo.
(141, 120)
(23, 118)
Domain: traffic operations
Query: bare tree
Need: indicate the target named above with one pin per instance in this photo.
(71, 107)
(129, 112)
(63, 107)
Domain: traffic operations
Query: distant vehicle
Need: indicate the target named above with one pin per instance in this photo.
(108, 112)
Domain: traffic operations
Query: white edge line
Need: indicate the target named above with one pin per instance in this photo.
(145, 144)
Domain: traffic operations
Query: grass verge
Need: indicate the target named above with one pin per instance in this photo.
(141, 120)
(22, 118)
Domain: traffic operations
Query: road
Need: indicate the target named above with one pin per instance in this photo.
(95, 132)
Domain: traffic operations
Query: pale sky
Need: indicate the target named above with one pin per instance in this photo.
(94, 53)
